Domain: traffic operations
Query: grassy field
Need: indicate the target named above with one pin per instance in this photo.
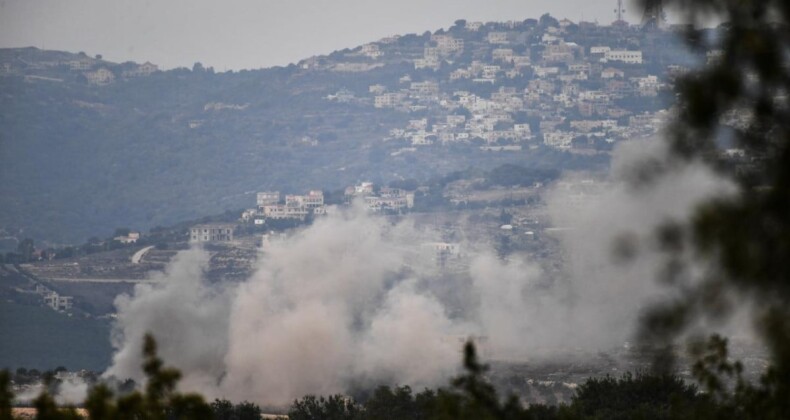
(38, 337)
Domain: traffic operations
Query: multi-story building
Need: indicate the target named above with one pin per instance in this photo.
(371, 51)
(497, 38)
(447, 44)
(558, 139)
(100, 77)
(267, 197)
(629, 57)
(143, 70)
(312, 200)
(388, 100)
(214, 232)
(282, 211)
(58, 302)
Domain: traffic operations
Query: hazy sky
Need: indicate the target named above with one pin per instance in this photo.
(238, 34)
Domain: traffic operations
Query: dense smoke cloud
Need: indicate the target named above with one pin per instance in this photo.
(351, 301)
(331, 305)
(613, 257)
(188, 317)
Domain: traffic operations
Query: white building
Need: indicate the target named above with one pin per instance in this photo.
(424, 88)
(446, 44)
(58, 302)
(282, 211)
(502, 54)
(497, 38)
(314, 199)
(390, 199)
(426, 63)
(130, 238)
(388, 100)
(371, 51)
(143, 70)
(100, 77)
(558, 139)
(214, 232)
(599, 50)
(629, 57)
(267, 197)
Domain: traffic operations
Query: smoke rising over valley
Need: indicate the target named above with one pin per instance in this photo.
(355, 300)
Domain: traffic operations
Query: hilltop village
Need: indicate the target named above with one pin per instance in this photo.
(544, 93)
(570, 86)
(502, 86)
(402, 113)
(460, 130)
(474, 90)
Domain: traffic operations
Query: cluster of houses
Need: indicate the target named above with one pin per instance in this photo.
(96, 71)
(381, 200)
(546, 89)
(271, 206)
(104, 76)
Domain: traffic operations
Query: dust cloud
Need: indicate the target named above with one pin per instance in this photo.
(349, 301)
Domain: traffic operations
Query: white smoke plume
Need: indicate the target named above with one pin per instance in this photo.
(188, 318)
(332, 305)
(348, 301)
(69, 391)
(72, 391)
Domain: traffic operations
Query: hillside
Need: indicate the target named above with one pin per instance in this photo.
(88, 145)
(45, 339)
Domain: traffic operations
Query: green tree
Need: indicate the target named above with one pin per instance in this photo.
(334, 407)
(159, 401)
(6, 396)
(399, 404)
(121, 232)
(25, 249)
(225, 410)
(641, 396)
(246, 410)
(743, 239)
(474, 397)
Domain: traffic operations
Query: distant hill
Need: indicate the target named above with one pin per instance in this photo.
(88, 145)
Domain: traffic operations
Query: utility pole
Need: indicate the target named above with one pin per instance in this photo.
(619, 11)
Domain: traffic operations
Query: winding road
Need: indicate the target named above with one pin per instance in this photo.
(139, 254)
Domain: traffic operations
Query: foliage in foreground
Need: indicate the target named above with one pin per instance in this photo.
(734, 251)
(473, 397)
(470, 397)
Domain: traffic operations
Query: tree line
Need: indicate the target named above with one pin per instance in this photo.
(469, 396)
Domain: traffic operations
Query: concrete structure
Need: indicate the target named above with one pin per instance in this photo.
(58, 302)
(628, 57)
(313, 200)
(143, 70)
(131, 238)
(215, 232)
(282, 211)
(371, 51)
(497, 38)
(100, 77)
(266, 198)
